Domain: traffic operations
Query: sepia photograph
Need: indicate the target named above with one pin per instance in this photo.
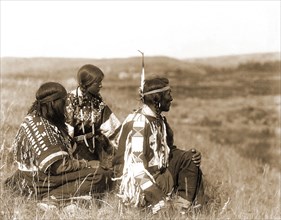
(140, 109)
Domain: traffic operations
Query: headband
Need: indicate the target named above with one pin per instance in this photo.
(157, 90)
(53, 97)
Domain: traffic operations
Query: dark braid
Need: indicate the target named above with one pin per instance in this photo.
(155, 98)
(158, 113)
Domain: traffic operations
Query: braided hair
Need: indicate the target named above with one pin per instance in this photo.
(155, 98)
(88, 74)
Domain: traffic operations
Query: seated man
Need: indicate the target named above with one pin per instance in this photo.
(43, 152)
(153, 168)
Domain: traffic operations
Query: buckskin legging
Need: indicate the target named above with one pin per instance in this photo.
(186, 175)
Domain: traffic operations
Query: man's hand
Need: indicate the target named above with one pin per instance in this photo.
(106, 162)
(93, 163)
(196, 157)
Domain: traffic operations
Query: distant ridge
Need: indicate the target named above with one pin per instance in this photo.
(132, 65)
(109, 65)
(235, 60)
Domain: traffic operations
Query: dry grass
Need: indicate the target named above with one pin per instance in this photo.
(241, 152)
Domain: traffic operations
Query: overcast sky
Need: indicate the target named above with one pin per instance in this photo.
(111, 29)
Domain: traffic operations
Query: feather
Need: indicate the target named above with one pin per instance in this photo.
(142, 73)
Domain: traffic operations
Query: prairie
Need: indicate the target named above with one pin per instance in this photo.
(228, 108)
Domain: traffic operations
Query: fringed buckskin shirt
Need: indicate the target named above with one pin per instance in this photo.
(145, 153)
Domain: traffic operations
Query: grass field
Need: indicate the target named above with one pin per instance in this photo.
(231, 115)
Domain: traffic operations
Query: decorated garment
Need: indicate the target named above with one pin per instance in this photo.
(92, 124)
(45, 163)
(39, 144)
(144, 153)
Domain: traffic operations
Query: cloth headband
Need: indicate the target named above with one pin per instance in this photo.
(53, 97)
(157, 90)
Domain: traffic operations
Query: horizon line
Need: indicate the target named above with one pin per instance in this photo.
(109, 58)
